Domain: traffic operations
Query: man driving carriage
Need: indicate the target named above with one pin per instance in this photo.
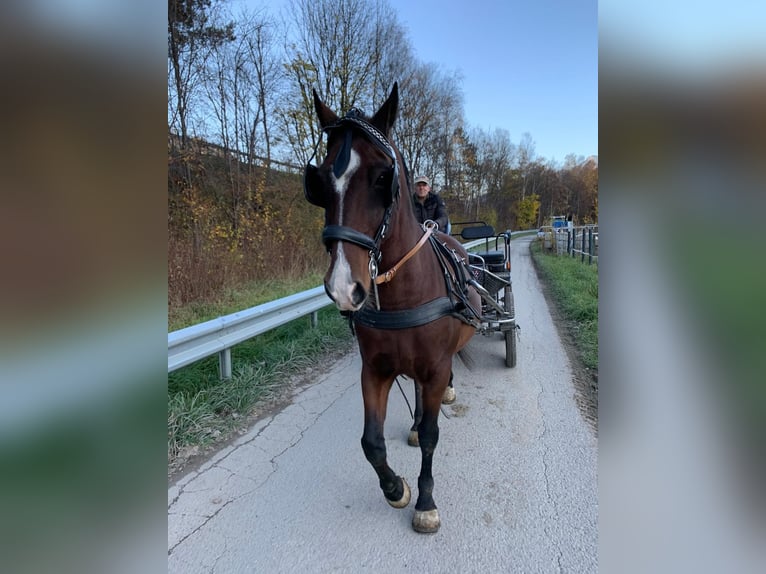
(428, 205)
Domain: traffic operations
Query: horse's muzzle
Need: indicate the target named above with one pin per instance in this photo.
(352, 300)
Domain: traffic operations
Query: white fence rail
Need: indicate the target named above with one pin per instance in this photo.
(581, 241)
(197, 342)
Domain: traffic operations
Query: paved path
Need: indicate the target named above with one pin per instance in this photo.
(515, 474)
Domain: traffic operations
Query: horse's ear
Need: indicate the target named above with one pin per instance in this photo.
(385, 116)
(326, 116)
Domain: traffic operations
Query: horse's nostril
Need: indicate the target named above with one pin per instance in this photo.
(359, 293)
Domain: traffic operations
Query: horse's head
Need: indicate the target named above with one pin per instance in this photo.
(357, 185)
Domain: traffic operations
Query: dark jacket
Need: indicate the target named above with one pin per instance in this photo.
(432, 208)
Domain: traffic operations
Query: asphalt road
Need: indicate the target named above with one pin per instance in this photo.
(515, 473)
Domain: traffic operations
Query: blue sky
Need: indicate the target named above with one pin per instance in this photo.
(688, 37)
(527, 65)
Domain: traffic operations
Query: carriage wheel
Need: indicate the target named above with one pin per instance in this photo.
(510, 348)
(508, 301)
(510, 336)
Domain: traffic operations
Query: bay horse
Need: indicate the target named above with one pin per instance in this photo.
(396, 279)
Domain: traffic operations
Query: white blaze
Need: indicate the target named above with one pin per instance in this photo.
(341, 285)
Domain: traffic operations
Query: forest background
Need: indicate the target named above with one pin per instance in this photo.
(241, 126)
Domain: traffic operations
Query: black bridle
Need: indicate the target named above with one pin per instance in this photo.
(313, 192)
(316, 193)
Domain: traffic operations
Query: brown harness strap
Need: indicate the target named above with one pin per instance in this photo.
(389, 275)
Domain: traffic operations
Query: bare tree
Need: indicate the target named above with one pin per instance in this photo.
(219, 86)
(526, 155)
(500, 155)
(346, 50)
(487, 158)
(259, 66)
(448, 158)
(417, 126)
(189, 35)
(393, 59)
(299, 132)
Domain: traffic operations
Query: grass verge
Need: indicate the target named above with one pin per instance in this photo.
(573, 286)
(203, 411)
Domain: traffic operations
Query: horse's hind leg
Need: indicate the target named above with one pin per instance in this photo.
(375, 394)
(426, 517)
(449, 393)
(447, 398)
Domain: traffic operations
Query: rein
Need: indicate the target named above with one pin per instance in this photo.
(389, 275)
(455, 304)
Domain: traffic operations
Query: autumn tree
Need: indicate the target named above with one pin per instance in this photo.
(527, 210)
(579, 177)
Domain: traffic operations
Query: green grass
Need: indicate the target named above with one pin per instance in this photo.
(203, 410)
(724, 305)
(574, 287)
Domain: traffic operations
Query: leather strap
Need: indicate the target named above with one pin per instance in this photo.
(404, 318)
(389, 275)
(342, 233)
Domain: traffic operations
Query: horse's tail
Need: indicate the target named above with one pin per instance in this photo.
(466, 356)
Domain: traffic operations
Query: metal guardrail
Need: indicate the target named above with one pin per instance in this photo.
(198, 342)
(220, 335)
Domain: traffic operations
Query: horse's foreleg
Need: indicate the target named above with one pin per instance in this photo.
(426, 517)
(412, 439)
(375, 394)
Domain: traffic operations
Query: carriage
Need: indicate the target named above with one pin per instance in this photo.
(491, 268)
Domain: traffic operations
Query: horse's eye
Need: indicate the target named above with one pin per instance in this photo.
(383, 179)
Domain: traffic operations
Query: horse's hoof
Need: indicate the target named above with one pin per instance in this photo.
(404, 500)
(426, 521)
(412, 439)
(449, 396)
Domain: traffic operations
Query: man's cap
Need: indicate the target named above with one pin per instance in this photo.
(422, 179)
